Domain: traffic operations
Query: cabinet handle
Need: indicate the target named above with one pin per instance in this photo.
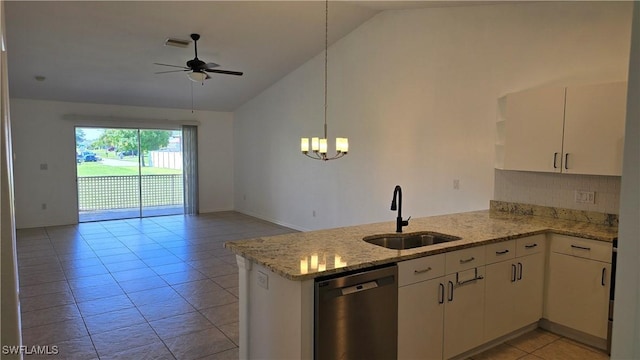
(441, 294)
(555, 160)
(450, 297)
(520, 271)
(581, 247)
(464, 261)
(604, 275)
(513, 272)
(530, 246)
(480, 277)
(566, 161)
(422, 271)
(502, 252)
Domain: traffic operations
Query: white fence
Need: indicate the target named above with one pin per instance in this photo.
(166, 159)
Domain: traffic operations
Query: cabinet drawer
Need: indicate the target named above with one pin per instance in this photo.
(530, 245)
(464, 259)
(584, 248)
(416, 270)
(501, 251)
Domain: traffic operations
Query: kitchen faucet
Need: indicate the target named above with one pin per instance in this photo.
(397, 193)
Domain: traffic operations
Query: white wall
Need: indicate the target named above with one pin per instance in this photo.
(416, 93)
(626, 316)
(41, 135)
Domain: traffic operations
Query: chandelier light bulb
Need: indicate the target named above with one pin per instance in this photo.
(323, 146)
(304, 145)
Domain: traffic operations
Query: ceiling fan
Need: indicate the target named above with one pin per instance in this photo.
(197, 68)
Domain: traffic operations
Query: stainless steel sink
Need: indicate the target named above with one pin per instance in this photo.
(400, 241)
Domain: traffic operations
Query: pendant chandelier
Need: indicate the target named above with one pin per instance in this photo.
(319, 145)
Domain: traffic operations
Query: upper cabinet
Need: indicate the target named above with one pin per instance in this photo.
(594, 129)
(574, 130)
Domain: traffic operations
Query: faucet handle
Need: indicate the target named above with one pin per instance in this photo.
(406, 222)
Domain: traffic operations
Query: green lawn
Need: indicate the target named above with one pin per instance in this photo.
(98, 169)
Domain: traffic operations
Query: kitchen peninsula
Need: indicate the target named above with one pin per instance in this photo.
(277, 274)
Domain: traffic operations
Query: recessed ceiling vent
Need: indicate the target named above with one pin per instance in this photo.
(177, 43)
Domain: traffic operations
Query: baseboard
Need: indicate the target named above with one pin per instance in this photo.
(209, 211)
(573, 334)
(277, 222)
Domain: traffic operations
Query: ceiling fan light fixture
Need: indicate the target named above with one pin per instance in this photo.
(197, 76)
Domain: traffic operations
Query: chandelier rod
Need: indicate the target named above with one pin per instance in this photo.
(326, 52)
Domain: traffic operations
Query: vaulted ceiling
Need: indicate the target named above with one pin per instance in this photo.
(103, 51)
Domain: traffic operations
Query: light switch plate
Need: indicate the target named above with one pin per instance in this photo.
(585, 197)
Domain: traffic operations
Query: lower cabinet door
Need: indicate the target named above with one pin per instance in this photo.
(420, 317)
(514, 294)
(578, 293)
(529, 296)
(463, 313)
(499, 300)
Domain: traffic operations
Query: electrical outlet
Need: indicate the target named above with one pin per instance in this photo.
(44, 167)
(263, 280)
(456, 184)
(585, 197)
(313, 213)
(44, 206)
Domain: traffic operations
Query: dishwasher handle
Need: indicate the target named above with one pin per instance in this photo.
(358, 288)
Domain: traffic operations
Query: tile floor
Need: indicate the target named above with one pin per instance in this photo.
(540, 344)
(163, 288)
(153, 288)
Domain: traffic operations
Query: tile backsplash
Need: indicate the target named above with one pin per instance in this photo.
(557, 190)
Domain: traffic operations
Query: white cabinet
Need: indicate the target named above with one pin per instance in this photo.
(530, 130)
(514, 285)
(441, 316)
(454, 302)
(594, 129)
(421, 308)
(578, 284)
(420, 318)
(464, 301)
(530, 290)
(463, 312)
(501, 277)
(576, 130)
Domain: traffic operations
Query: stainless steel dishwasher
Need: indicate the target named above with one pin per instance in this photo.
(356, 315)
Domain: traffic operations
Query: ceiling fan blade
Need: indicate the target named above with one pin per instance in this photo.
(227, 72)
(170, 71)
(177, 66)
(210, 65)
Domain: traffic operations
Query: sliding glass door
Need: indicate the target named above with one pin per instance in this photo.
(161, 185)
(128, 173)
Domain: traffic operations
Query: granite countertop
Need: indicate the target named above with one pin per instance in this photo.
(294, 255)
